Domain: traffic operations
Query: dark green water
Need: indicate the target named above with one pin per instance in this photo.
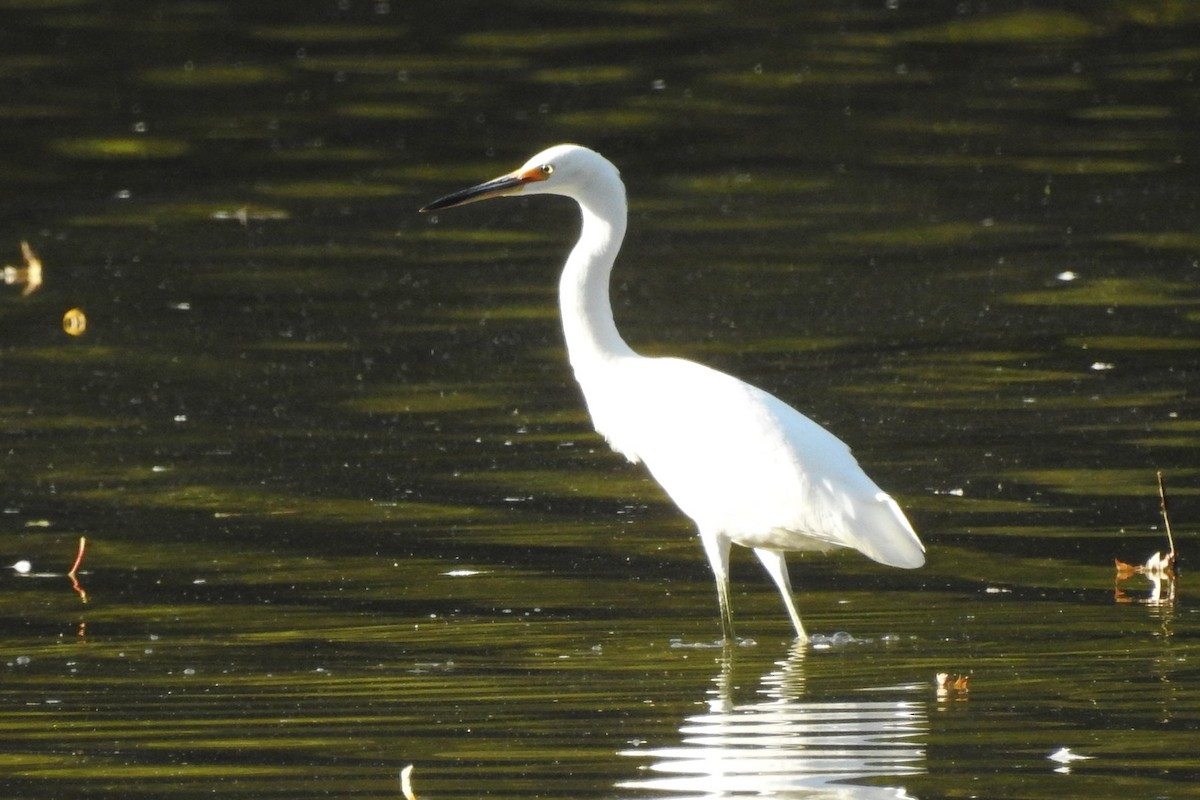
(344, 508)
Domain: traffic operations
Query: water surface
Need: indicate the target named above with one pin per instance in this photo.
(344, 508)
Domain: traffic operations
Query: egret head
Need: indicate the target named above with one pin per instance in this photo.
(565, 169)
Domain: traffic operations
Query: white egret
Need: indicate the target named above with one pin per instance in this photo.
(745, 466)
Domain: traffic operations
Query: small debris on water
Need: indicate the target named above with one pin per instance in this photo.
(406, 783)
(1064, 756)
(956, 686)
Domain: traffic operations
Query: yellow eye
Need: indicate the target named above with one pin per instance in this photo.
(546, 169)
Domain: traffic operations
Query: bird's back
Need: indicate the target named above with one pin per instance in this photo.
(742, 463)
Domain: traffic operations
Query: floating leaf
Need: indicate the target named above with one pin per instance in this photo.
(1125, 571)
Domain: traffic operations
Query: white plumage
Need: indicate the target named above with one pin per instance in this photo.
(745, 466)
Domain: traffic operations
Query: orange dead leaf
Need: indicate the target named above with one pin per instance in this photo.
(1125, 570)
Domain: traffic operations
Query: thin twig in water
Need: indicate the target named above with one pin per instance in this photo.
(1162, 496)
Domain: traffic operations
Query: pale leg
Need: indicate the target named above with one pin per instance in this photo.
(777, 568)
(716, 547)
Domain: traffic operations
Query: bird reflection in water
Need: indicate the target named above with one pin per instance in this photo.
(782, 746)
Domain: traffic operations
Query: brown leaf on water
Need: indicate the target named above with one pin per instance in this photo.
(1124, 570)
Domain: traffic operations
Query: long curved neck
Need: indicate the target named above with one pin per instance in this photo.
(591, 333)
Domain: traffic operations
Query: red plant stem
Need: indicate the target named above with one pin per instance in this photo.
(79, 557)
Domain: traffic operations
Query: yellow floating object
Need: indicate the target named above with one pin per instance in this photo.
(75, 322)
